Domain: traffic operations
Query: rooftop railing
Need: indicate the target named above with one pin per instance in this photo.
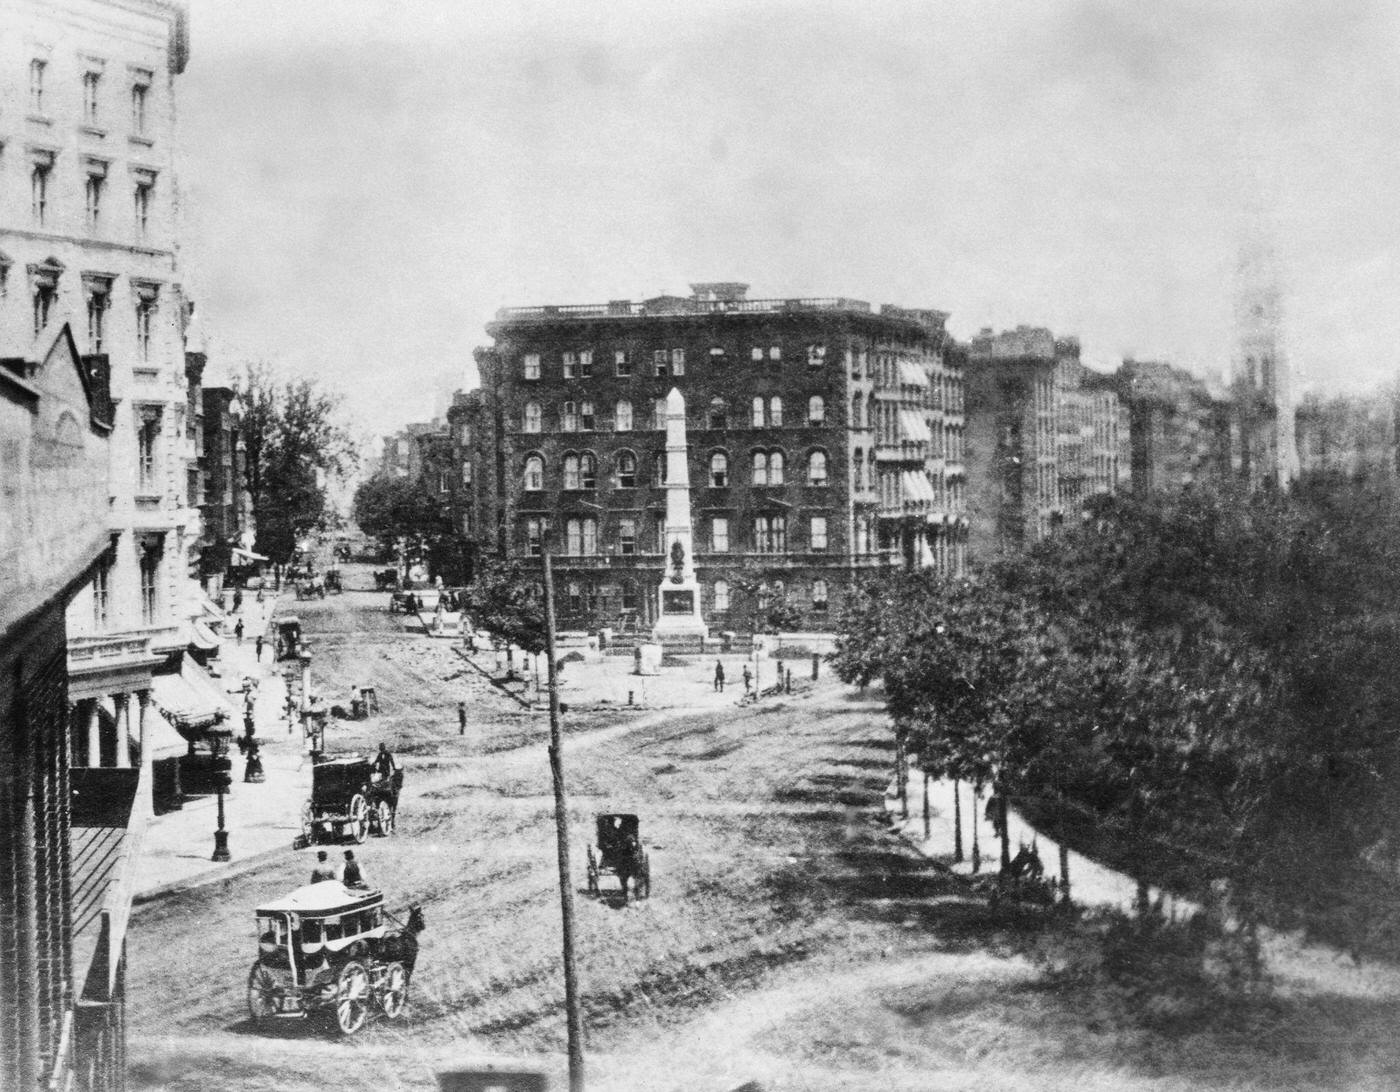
(680, 306)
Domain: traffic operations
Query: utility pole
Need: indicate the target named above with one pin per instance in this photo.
(561, 827)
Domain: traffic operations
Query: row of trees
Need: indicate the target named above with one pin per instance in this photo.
(1197, 688)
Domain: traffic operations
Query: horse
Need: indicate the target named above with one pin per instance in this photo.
(402, 945)
(628, 861)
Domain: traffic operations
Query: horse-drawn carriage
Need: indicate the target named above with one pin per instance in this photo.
(333, 582)
(350, 800)
(327, 950)
(287, 635)
(620, 853)
(386, 579)
(311, 587)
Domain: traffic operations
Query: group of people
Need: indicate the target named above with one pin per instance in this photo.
(719, 678)
(350, 874)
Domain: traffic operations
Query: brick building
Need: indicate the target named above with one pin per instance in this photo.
(823, 440)
(1348, 436)
(1044, 434)
(1180, 432)
(226, 506)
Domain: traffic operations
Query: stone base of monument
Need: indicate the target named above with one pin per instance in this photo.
(686, 644)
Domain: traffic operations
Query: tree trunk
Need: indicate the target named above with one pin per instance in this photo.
(927, 828)
(1064, 874)
(957, 822)
(1004, 821)
(976, 822)
(903, 780)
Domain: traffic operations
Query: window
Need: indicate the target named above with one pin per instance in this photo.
(585, 364)
(145, 312)
(39, 190)
(36, 85)
(775, 352)
(588, 419)
(535, 528)
(659, 418)
(97, 300)
(575, 596)
(819, 596)
(588, 470)
(816, 410)
(770, 534)
(102, 592)
(658, 467)
(630, 601)
(571, 365)
(817, 538)
(138, 108)
(721, 595)
(464, 435)
(467, 522)
(45, 295)
(756, 353)
(467, 472)
(775, 411)
(571, 475)
(816, 356)
(858, 410)
(858, 469)
(626, 470)
(678, 362)
(581, 537)
(568, 417)
(758, 413)
(627, 536)
(622, 363)
(91, 81)
(852, 364)
(534, 473)
(443, 484)
(622, 420)
(775, 468)
(533, 416)
(530, 366)
(760, 468)
(92, 189)
(147, 433)
(719, 413)
(716, 354)
(719, 534)
(142, 201)
(816, 468)
(150, 586)
(719, 470)
(660, 359)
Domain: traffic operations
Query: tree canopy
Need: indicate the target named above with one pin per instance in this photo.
(508, 602)
(295, 440)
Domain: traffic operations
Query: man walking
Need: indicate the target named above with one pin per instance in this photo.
(719, 676)
(257, 649)
(461, 718)
(238, 630)
(748, 680)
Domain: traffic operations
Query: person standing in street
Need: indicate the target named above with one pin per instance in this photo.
(748, 680)
(719, 676)
(461, 718)
(238, 630)
(257, 649)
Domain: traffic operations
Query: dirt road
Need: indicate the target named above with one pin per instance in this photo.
(789, 938)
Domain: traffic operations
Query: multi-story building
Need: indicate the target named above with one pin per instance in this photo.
(1348, 436)
(1044, 434)
(226, 510)
(1264, 445)
(1180, 432)
(823, 439)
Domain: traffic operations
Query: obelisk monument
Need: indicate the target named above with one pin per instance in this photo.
(679, 595)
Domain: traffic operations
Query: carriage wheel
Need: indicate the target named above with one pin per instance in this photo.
(393, 995)
(357, 826)
(381, 819)
(592, 872)
(263, 992)
(352, 998)
(308, 824)
(644, 878)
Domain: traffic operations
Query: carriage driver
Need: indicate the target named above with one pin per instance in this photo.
(384, 763)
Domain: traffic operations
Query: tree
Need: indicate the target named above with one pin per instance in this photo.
(392, 508)
(294, 441)
(508, 602)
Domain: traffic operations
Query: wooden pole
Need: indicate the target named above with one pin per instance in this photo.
(561, 826)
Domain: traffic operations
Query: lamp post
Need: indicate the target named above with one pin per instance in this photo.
(218, 744)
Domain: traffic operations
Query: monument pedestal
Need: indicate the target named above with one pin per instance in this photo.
(678, 620)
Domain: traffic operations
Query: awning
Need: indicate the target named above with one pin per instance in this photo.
(917, 487)
(911, 375)
(190, 697)
(166, 740)
(201, 636)
(913, 427)
(239, 553)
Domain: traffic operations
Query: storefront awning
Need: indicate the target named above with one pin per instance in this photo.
(917, 487)
(202, 637)
(913, 427)
(166, 741)
(190, 698)
(911, 375)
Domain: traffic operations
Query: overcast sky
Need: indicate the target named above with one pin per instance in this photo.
(366, 181)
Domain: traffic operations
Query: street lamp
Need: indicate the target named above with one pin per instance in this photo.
(218, 746)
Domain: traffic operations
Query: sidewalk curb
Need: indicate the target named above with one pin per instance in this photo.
(207, 877)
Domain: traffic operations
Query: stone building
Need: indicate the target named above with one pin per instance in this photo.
(823, 440)
(1349, 436)
(1180, 432)
(1044, 435)
(226, 509)
(1263, 441)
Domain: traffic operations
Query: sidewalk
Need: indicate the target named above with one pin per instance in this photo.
(261, 819)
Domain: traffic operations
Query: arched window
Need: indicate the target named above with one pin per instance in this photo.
(623, 418)
(858, 469)
(719, 413)
(588, 470)
(721, 595)
(571, 471)
(626, 470)
(532, 417)
(568, 417)
(816, 410)
(758, 413)
(534, 473)
(760, 468)
(775, 468)
(775, 411)
(858, 410)
(816, 468)
(659, 420)
(719, 469)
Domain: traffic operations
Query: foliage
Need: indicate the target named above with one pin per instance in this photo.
(508, 602)
(390, 507)
(294, 440)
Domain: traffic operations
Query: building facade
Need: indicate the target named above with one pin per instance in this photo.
(226, 508)
(823, 440)
(1263, 439)
(1180, 432)
(1348, 436)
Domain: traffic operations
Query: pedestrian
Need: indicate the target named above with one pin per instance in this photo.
(238, 630)
(748, 680)
(384, 764)
(719, 676)
(248, 726)
(324, 870)
(351, 876)
(461, 718)
(237, 600)
(257, 649)
(260, 593)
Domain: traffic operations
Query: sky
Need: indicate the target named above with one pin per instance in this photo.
(366, 181)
